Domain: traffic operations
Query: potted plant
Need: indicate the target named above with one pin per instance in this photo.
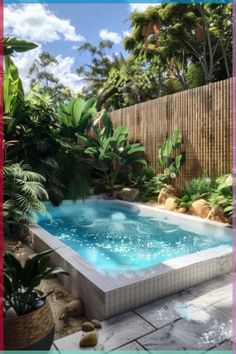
(28, 319)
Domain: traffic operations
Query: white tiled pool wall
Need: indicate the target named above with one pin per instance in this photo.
(105, 296)
(168, 283)
(76, 283)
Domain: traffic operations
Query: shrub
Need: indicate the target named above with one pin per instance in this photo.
(197, 188)
(222, 195)
(167, 158)
(20, 281)
(153, 187)
(23, 196)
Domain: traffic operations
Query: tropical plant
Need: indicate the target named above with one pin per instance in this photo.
(197, 188)
(20, 282)
(165, 158)
(23, 196)
(39, 131)
(12, 89)
(110, 152)
(152, 187)
(12, 44)
(139, 178)
(76, 116)
(222, 195)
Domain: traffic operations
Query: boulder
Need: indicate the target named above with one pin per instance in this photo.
(181, 210)
(171, 204)
(199, 208)
(89, 340)
(165, 193)
(96, 323)
(87, 326)
(74, 309)
(127, 194)
(217, 214)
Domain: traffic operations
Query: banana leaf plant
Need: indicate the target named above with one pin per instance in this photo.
(110, 151)
(222, 195)
(12, 44)
(168, 158)
(21, 281)
(14, 98)
(76, 117)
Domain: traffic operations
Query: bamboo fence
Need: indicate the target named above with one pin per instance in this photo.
(204, 117)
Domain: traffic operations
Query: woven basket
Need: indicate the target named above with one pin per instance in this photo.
(26, 330)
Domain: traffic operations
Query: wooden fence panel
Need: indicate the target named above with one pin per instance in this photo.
(203, 115)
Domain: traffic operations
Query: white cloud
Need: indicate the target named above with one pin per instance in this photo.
(63, 70)
(111, 36)
(36, 22)
(140, 7)
(74, 47)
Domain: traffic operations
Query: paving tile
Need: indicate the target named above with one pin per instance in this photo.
(115, 332)
(227, 345)
(53, 348)
(167, 310)
(225, 305)
(131, 346)
(212, 327)
(214, 290)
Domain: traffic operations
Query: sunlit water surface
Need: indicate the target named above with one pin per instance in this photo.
(116, 238)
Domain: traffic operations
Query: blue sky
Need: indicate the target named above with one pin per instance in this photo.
(89, 19)
(60, 28)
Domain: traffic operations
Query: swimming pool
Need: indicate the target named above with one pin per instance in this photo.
(115, 238)
(123, 255)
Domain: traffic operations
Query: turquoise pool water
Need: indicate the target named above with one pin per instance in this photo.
(114, 237)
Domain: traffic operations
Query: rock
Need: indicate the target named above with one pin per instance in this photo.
(127, 194)
(87, 326)
(89, 340)
(199, 208)
(171, 204)
(217, 214)
(165, 193)
(181, 210)
(74, 309)
(96, 323)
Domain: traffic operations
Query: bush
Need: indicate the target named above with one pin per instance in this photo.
(222, 195)
(153, 187)
(197, 188)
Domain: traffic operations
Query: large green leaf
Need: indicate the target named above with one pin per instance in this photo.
(12, 267)
(176, 139)
(178, 160)
(12, 45)
(160, 155)
(13, 89)
(54, 271)
(8, 287)
(77, 110)
(167, 148)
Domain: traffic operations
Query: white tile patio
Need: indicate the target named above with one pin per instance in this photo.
(197, 319)
(115, 332)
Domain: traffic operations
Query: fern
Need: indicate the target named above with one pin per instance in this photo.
(24, 194)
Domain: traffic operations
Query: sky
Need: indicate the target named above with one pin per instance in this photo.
(61, 28)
